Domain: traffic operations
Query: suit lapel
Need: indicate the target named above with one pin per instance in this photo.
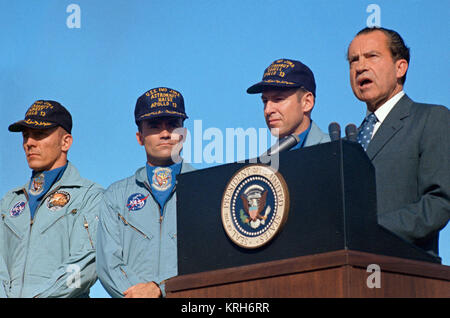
(390, 126)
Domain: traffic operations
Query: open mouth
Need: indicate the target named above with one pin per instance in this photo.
(364, 82)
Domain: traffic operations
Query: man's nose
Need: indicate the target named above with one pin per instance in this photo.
(166, 131)
(269, 107)
(361, 65)
(29, 142)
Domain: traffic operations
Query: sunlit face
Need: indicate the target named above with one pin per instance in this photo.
(374, 75)
(162, 138)
(284, 111)
(46, 149)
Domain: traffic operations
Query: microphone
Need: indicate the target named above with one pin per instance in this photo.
(351, 132)
(335, 131)
(283, 144)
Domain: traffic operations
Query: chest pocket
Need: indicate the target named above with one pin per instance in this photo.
(58, 220)
(11, 227)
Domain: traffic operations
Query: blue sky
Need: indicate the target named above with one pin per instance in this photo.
(211, 51)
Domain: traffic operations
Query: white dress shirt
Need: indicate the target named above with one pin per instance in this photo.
(384, 110)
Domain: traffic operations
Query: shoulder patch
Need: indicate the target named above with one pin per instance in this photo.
(17, 209)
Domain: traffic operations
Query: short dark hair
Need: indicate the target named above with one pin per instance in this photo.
(396, 45)
(302, 91)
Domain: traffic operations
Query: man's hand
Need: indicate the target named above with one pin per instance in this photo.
(143, 290)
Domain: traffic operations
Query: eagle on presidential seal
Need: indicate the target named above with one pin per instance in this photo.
(254, 202)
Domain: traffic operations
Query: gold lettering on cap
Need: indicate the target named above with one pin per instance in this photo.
(278, 82)
(278, 68)
(38, 107)
(158, 112)
(163, 97)
(37, 123)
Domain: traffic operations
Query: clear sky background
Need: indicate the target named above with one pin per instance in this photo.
(209, 50)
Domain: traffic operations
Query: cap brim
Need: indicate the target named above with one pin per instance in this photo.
(161, 114)
(22, 124)
(261, 86)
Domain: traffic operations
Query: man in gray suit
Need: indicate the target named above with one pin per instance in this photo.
(288, 93)
(407, 142)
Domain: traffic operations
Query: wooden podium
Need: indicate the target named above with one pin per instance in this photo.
(334, 274)
(330, 237)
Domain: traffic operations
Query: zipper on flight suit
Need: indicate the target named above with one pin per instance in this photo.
(28, 244)
(134, 228)
(86, 226)
(123, 272)
(161, 217)
(159, 208)
(31, 227)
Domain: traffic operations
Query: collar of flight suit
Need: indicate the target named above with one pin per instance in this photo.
(70, 178)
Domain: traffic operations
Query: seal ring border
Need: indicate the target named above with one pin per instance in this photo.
(224, 211)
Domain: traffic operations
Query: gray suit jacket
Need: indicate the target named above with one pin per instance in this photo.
(411, 155)
(316, 136)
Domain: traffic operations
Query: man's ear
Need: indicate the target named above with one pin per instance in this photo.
(401, 66)
(307, 102)
(66, 142)
(140, 138)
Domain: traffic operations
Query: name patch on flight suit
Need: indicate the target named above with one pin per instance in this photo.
(58, 200)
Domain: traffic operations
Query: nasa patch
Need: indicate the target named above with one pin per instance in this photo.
(136, 201)
(17, 209)
(255, 206)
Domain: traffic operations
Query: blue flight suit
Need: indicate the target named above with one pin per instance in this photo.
(53, 254)
(136, 242)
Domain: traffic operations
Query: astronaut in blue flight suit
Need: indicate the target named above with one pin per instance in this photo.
(137, 242)
(48, 226)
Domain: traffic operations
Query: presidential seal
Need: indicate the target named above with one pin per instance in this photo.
(255, 206)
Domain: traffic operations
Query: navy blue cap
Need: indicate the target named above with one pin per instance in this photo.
(285, 73)
(159, 102)
(44, 114)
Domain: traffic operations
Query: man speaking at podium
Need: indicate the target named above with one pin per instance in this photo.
(288, 93)
(407, 142)
(137, 235)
